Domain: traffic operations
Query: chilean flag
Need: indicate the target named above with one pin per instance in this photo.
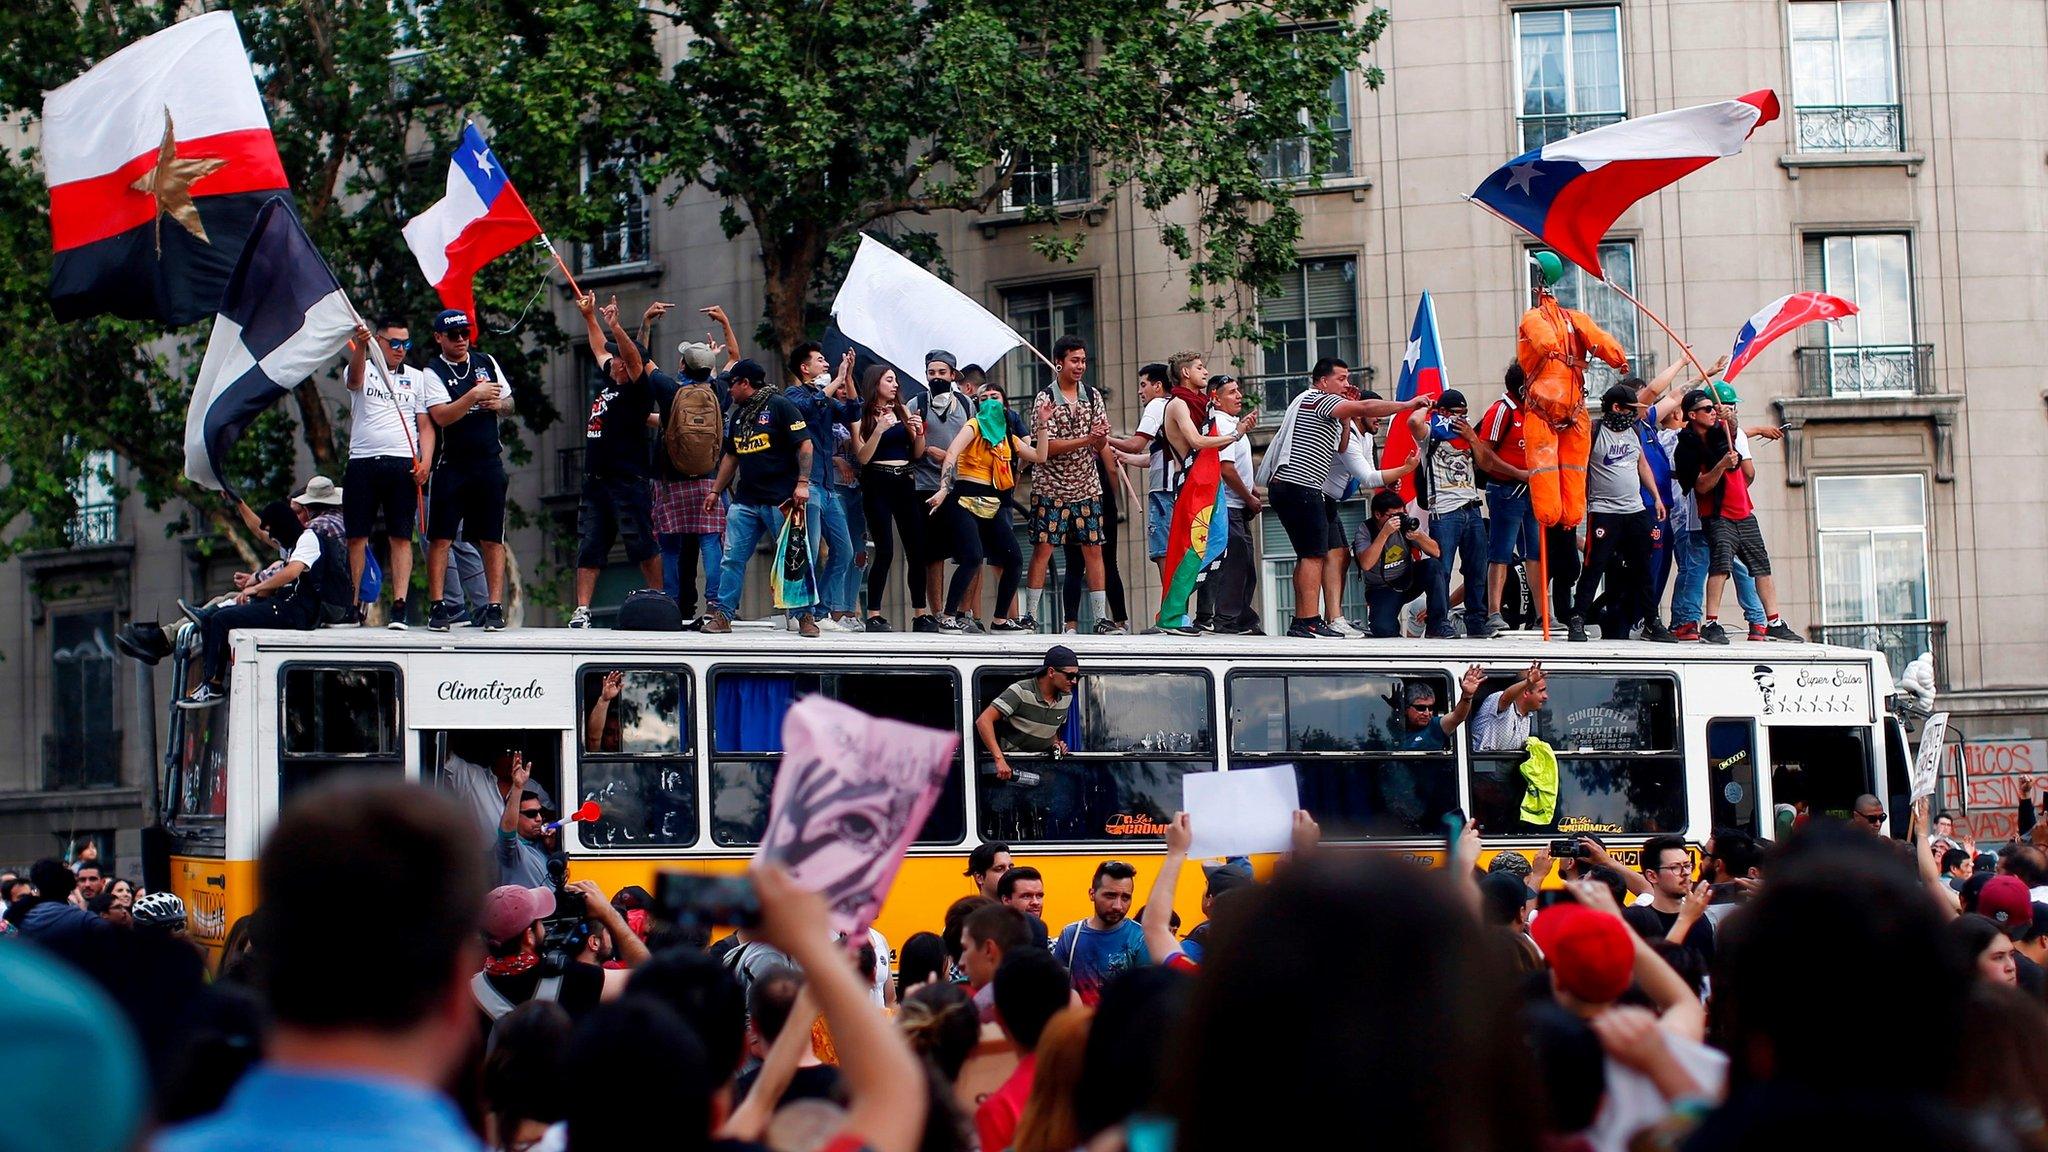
(1569, 193)
(1779, 317)
(1422, 374)
(158, 160)
(480, 219)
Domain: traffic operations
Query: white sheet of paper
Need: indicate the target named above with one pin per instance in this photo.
(1240, 812)
(1927, 766)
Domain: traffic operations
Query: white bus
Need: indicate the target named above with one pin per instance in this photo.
(1649, 738)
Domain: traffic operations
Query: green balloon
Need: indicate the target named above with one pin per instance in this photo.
(1551, 266)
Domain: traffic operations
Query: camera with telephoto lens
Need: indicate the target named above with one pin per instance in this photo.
(566, 932)
(1410, 524)
(1570, 849)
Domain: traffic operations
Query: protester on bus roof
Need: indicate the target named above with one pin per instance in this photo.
(1454, 458)
(390, 452)
(466, 395)
(1071, 425)
(1107, 943)
(1030, 989)
(289, 598)
(978, 476)
(1023, 888)
(1398, 562)
(1224, 601)
(1710, 464)
(986, 936)
(1146, 446)
(615, 493)
(1621, 528)
(888, 443)
(688, 530)
(767, 465)
(826, 400)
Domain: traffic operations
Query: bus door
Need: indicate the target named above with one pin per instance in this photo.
(1733, 799)
(470, 728)
(1818, 723)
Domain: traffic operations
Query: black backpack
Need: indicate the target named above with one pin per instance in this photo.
(649, 610)
(328, 582)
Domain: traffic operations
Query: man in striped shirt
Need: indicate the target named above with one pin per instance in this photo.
(1301, 456)
(1027, 716)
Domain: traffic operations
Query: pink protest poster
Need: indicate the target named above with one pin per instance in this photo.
(849, 797)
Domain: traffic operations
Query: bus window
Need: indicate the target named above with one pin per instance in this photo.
(1326, 724)
(1731, 773)
(196, 796)
(1130, 736)
(1820, 771)
(336, 719)
(635, 758)
(746, 740)
(1619, 768)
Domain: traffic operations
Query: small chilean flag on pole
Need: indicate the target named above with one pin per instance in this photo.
(158, 160)
(1422, 374)
(1779, 317)
(1568, 193)
(480, 219)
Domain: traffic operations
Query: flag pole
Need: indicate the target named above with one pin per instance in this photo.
(564, 266)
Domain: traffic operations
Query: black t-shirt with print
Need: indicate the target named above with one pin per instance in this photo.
(615, 435)
(765, 452)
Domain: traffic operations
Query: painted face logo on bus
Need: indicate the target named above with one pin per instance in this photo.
(1766, 679)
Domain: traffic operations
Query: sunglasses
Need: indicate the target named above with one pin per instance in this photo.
(1429, 707)
(530, 813)
(404, 345)
(1877, 821)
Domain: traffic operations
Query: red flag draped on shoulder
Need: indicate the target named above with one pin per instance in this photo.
(158, 160)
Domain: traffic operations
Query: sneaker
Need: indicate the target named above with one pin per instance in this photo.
(1008, 626)
(204, 696)
(1496, 624)
(398, 622)
(354, 618)
(1657, 633)
(1182, 630)
(580, 618)
(879, 624)
(1758, 633)
(1239, 630)
(717, 622)
(1575, 630)
(494, 618)
(1478, 628)
(926, 622)
(1783, 631)
(970, 626)
(1686, 633)
(1026, 623)
(475, 619)
(1110, 628)
(1712, 633)
(195, 615)
(1343, 627)
(807, 627)
(445, 614)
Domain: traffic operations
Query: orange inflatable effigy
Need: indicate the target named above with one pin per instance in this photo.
(1552, 346)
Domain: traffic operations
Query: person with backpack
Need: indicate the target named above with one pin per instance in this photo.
(1072, 428)
(287, 597)
(1447, 485)
(686, 465)
(615, 493)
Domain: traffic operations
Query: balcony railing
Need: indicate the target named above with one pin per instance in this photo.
(94, 524)
(569, 472)
(82, 760)
(1901, 642)
(1540, 130)
(1860, 370)
(1849, 128)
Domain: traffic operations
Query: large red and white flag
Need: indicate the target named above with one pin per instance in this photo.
(157, 160)
(479, 219)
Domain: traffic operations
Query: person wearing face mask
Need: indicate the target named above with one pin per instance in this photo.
(945, 414)
(978, 474)
(1617, 475)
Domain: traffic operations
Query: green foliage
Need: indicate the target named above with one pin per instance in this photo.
(813, 121)
(365, 101)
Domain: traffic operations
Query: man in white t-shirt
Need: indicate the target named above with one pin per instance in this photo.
(1223, 602)
(390, 446)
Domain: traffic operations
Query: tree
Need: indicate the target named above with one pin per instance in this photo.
(365, 101)
(812, 120)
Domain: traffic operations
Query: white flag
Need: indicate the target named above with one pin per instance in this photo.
(900, 312)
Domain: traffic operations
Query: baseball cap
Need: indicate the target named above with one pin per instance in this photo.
(749, 370)
(1724, 392)
(1591, 953)
(510, 908)
(697, 357)
(1451, 398)
(1693, 398)
(2006, 903)
(940, 356)
(451, 320)
(1061, 656)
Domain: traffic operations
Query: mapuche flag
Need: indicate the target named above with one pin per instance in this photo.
(158, 160)
(1197, 536)
(282, 316)
(479, 219)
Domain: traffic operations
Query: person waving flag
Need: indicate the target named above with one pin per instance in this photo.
(1422, 374)
(480, 219)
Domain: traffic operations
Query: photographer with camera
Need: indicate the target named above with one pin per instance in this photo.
(1399, 562)
(532, 937)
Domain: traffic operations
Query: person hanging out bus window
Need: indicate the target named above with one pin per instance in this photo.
(287, 598)
(979, 474)
(888, 441)
(1027, 717)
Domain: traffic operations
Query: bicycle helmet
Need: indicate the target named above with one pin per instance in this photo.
(159, 910)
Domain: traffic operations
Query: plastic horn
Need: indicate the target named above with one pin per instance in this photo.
(588, 812)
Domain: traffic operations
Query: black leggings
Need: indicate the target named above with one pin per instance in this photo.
(893, 497)
(993, 541)
(1112, 580)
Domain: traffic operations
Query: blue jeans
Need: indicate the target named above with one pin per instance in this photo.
(1383, 605)
(745, 525)
(680, 553)
(825, 520)
(1689, 594)
(1461, 535)
(856, 511)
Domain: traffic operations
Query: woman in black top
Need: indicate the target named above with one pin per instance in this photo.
(888, 441)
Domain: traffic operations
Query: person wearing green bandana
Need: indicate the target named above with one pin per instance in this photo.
(979, 472)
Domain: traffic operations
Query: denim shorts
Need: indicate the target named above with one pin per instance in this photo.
(1158, 523)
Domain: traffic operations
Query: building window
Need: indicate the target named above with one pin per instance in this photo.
(98, 519)
(1845, 85)
(1313, 315)
(1045, 179)
(624, 240)
(83, 749)
(1296, 157)
(1569, 74)
(1872, 353)
(1042, 313)
(1873, 564)
(1609, 309)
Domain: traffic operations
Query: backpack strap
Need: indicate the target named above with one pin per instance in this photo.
(488, 997)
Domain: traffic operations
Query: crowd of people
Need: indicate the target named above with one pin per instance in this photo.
(695, 468)
(1767, 996)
